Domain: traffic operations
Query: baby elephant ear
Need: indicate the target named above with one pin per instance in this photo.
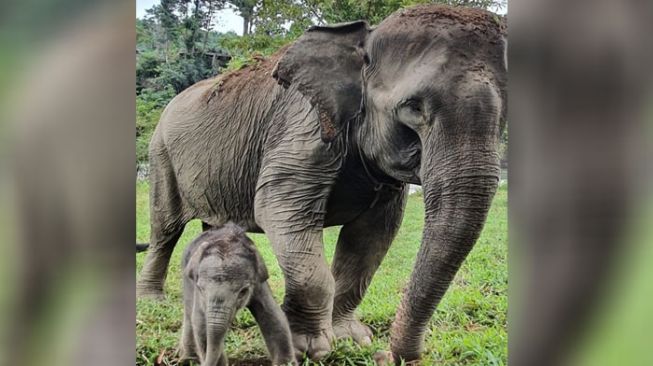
(325, 66)
(193, 263)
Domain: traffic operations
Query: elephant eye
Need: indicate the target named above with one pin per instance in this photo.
(414, 105)
(410, 112)
(243, 292)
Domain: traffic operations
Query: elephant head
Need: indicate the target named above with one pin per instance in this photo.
(225, 271)
(425, 94)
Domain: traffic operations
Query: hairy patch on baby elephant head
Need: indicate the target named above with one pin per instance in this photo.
(226, 254)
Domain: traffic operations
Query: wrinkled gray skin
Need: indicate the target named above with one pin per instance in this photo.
(357, 115)
(223, 273)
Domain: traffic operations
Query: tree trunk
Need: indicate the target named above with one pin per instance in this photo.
(208, 26)
(246, 21)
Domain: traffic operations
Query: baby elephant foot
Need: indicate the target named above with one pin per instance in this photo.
(187, 357)
(354, 329)
(315, 346)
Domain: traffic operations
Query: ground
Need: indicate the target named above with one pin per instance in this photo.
(468, 328)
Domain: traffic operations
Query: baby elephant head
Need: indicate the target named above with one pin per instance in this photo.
(223, 273)
(225, 268)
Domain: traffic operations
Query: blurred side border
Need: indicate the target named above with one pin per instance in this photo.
(580, 195)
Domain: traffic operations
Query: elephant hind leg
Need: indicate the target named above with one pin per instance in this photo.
(166, 224)
(362, 245)
(155, 269)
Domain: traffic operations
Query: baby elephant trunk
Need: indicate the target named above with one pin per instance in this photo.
(217, 325)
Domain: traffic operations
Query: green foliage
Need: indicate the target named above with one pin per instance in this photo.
(183, 73)
(147, 69)
(468, 328)
(374, 11)
(174, 50)
(243, 49)
(285, 17)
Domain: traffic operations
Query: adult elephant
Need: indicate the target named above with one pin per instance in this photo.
(358, 113)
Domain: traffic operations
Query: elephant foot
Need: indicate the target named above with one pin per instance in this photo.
(187, 361)
(187, 356)
(354, 329)
(385, 358)
(315, 346)
(149, 292)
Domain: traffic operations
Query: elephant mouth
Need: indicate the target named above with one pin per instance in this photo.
(410, 164)
(409, 170)
(408, 176)
(417, 176)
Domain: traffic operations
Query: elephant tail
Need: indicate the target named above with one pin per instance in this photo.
(141, 247)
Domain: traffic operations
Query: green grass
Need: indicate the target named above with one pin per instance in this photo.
(468, 328)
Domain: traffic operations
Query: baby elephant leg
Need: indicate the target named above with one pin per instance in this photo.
(187, 344)
(273, 324)
(187, 347)
(224, 361)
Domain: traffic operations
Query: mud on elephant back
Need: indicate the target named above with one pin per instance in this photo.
(329, 131)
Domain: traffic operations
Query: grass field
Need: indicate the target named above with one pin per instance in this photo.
(468, 328)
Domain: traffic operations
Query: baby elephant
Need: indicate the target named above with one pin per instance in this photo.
(223, 272)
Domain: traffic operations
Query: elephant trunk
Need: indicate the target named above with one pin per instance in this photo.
(217, 325)
(457, 197)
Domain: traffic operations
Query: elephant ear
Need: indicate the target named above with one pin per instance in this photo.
(192, 266)
(325, 65)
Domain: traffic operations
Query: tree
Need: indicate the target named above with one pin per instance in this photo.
(246, 11)
(374, 11)
(281, 17)
(166, 17)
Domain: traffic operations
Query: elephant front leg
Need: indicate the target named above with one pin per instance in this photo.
(187, 348)
(224, 360)
(273, 324)
(290, 206)
(308, 302)
(362, 245)
(198, 325)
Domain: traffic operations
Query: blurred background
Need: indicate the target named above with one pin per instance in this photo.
(580, 196)
(78, 79)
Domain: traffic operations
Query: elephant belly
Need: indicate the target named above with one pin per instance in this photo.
(216, 190)
(218, 201)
